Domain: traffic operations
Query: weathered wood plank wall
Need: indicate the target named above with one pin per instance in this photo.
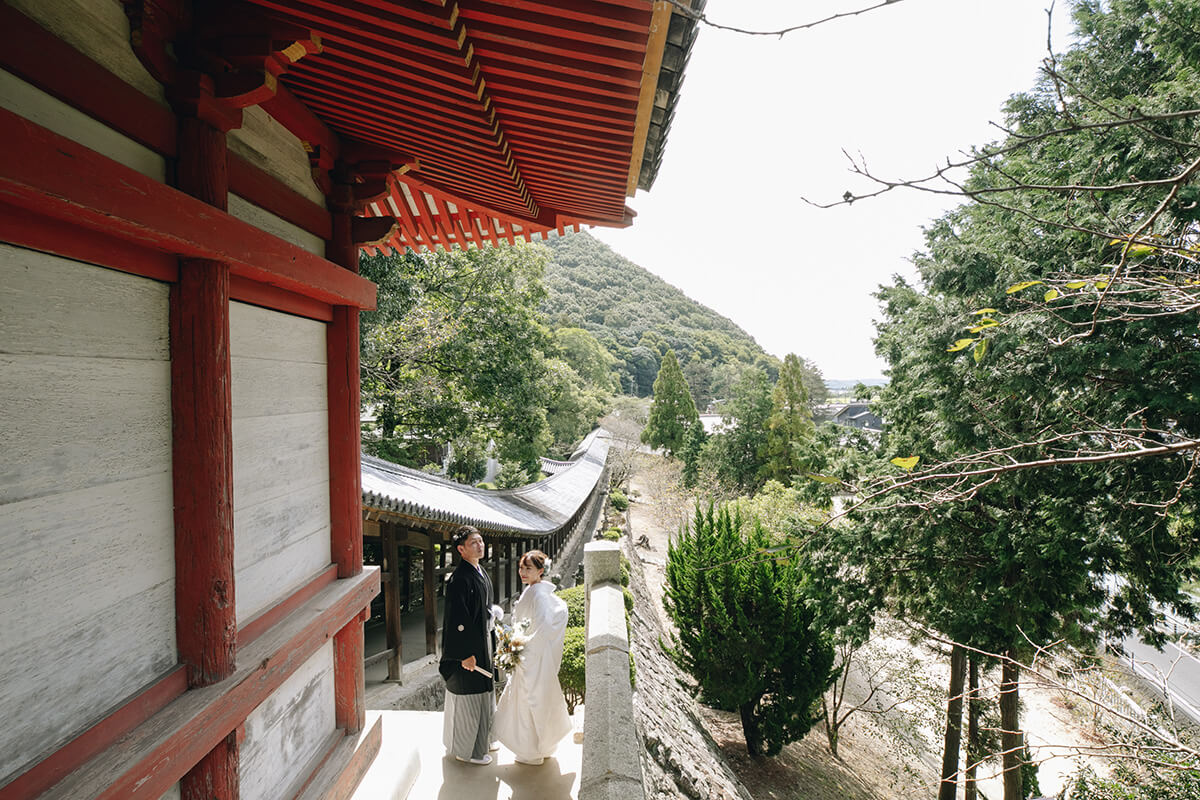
(85, 497)
(289, 730)
(280, 454)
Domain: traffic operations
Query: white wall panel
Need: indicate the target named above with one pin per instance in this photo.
(36, 106)
(86, 529)
(264, 220)
(288, 730)
(280, 455)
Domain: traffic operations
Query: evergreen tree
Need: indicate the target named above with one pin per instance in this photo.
(790, 422)
(739, 452)
(1021, 558)
(746, 631)
(672, 412)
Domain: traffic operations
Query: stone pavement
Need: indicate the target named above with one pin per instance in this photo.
(439, 777)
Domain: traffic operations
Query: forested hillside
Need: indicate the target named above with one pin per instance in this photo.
(638, 317)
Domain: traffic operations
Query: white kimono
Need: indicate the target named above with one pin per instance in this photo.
(531, 718)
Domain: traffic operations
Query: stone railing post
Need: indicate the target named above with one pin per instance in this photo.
(611, 748)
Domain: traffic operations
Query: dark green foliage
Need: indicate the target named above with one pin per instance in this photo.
(572, 673)
(618, 499)
(738, 453)
(638, 317)
(672, 412)
(575, 599)
(745, 630)
(693, 449)
(1130, 783)
(1024, 560)
(790, 423)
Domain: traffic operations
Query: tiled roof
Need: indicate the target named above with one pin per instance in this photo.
(537, 509)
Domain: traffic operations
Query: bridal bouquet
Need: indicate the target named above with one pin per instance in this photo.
(510, 643)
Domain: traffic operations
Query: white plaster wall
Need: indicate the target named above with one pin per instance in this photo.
(172, 793)
(100, 30)
(286, 733)
(264, 220)
(87, 562)
(36, 106)
(280, 455)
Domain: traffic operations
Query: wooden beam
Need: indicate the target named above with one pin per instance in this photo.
(155, 755)
(263, 622)
(52, 176)
(660, 23)
(344, 766)
(39, 57)
(95, 739)
(267, 191)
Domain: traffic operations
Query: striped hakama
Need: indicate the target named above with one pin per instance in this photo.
(467, 724)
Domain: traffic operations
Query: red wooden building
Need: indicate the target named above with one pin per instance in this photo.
(184, 191)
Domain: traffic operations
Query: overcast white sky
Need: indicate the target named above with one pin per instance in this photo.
(762, 122)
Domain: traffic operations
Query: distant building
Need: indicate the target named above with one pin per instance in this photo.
(850, 415)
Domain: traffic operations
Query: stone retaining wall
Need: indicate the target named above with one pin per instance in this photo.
(679, 758)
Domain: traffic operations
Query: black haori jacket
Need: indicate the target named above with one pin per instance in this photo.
(465, 630)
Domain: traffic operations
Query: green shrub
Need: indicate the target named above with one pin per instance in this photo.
(485, 485)
(612, 534)
(574, 598)
(574, 667)
(618, 499)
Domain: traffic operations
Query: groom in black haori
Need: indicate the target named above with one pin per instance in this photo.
(466, 660)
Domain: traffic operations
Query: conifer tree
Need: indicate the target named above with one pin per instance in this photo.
(790, 422)
(672, 411)
(746, 632)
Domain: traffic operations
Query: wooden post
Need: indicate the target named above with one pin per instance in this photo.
(406, 595)
(202, 437)
(508, 569)
(349, 703)
(429, 587)
(495, 572)
(345, 467)
(391, 603)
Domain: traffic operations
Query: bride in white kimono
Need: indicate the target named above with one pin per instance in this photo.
(531, 718)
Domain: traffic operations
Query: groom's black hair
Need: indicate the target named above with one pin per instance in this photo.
(462, 533)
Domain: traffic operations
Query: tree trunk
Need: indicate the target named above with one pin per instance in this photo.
(954, 708)
(750, 729)
(831, 728)
(970, 791)
(1010, 725)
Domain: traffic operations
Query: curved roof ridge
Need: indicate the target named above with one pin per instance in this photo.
(538, 508)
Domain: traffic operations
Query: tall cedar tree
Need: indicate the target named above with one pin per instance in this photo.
(739, 451)
(746, 632)
(672, 412)
(1029, 558)
(790, 423)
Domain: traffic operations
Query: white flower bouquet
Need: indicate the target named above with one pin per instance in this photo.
(510, 644)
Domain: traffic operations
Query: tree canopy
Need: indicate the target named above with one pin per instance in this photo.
(672, 412)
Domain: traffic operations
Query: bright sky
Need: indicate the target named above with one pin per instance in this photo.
(762, 122)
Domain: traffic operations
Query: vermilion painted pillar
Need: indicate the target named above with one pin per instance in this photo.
(202, 431)
(345, 476)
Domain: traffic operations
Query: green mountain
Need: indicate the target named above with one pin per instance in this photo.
(637, 316)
